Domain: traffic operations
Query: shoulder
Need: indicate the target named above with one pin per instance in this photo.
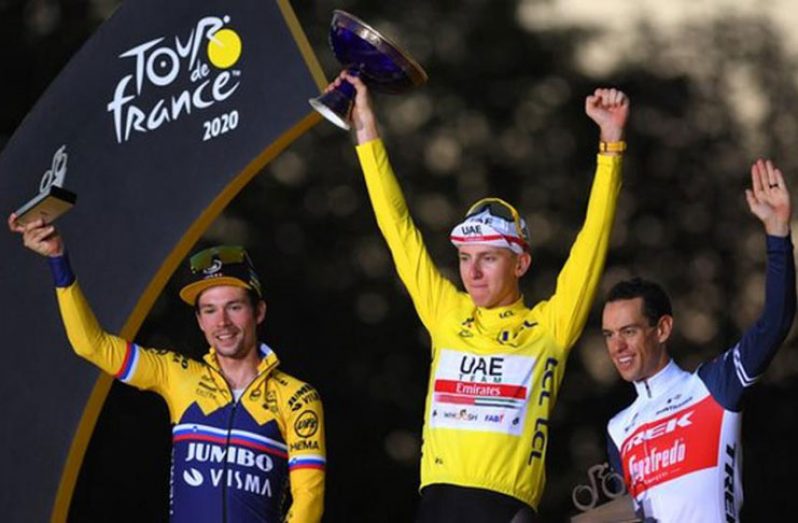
(294, 392)
(617, 425)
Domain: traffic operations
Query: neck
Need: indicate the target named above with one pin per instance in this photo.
(239, 372)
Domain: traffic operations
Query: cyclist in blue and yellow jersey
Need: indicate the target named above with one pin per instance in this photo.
(497, 364)
(244, 433)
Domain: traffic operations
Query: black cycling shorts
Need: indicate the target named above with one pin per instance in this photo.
(452, 504)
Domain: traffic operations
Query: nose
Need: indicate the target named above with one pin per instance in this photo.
(224, 318)
(615, 344)
(475, 271)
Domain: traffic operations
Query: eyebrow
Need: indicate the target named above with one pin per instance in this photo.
(622, 327)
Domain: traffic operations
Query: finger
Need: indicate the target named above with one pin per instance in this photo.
(751, 199)
(33, 225)
(779, 180)
(612, 97)
(13, 225)
(40, 234)
(771, 176)
(354, 80)
(757, 173)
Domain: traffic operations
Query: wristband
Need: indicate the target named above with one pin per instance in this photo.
(612, 147)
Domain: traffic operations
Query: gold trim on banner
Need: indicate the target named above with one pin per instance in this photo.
(91, 412)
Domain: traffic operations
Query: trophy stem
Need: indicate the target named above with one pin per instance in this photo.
(336, 105)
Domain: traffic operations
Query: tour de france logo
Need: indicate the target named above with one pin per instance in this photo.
(173, 77)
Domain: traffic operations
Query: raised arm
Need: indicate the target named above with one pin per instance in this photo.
(118, 357)
(567, 310)
(429, 290)
(728, 375)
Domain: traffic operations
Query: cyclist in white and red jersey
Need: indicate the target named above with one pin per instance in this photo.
(678, 445)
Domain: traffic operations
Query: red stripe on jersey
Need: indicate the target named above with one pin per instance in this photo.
(672, 446)
(482, 390)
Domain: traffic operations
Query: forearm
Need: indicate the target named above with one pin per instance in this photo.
(580, 276)
(308, 497)
(760, 343)
(426, 286)
(87, 337)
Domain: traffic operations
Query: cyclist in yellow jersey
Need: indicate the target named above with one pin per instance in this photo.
(496, 364)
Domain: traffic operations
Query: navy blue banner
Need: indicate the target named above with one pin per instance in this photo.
(160, 119)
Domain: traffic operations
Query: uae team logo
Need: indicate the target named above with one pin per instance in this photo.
(173, 77)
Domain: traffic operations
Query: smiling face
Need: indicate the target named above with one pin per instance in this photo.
(490, 274)
(636, 347)
(229, 321)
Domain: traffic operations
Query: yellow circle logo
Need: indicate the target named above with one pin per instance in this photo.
(224, 48)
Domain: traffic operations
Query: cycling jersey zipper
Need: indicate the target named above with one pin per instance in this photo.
(230, 424)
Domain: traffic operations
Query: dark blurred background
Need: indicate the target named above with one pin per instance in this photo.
(713, 86)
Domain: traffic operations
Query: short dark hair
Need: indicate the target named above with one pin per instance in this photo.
(656, 303)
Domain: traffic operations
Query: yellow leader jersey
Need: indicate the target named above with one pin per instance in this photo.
(495, 372)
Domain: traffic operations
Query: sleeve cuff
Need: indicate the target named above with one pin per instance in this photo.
(779, 243)
(61, 270)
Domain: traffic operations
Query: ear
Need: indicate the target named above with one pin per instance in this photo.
(261, 312)
(522, 263)
(664, 328)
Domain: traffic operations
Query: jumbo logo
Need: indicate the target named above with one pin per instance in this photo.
(202, 59)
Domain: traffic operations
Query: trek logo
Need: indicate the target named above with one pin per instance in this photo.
(160, 63)
(672, 447)
(682, 421)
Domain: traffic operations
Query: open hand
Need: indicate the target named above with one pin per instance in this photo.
(768, 198)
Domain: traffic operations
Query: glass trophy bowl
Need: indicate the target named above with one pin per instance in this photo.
(382, 65)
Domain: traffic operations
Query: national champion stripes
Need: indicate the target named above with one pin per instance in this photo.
(129, 364)
(308, 461)
(241, 438)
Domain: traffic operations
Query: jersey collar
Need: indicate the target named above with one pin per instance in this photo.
(268, 358)
(660, 382)
(501, 316)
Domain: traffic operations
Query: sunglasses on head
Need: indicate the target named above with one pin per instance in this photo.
(500, 209)
(223, 253)
(497, 207)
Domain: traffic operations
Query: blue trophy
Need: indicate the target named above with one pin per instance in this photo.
(363, 51)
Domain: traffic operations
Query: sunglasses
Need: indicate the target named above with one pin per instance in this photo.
(224, 253)
(500, 209)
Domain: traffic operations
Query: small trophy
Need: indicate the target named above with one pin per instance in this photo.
(620, 507)
(364, 52)
(52, 200)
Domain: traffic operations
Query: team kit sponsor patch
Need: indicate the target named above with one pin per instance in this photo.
(673, 446)
(484, 393)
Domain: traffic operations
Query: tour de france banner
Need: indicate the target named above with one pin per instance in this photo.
(163, 116)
